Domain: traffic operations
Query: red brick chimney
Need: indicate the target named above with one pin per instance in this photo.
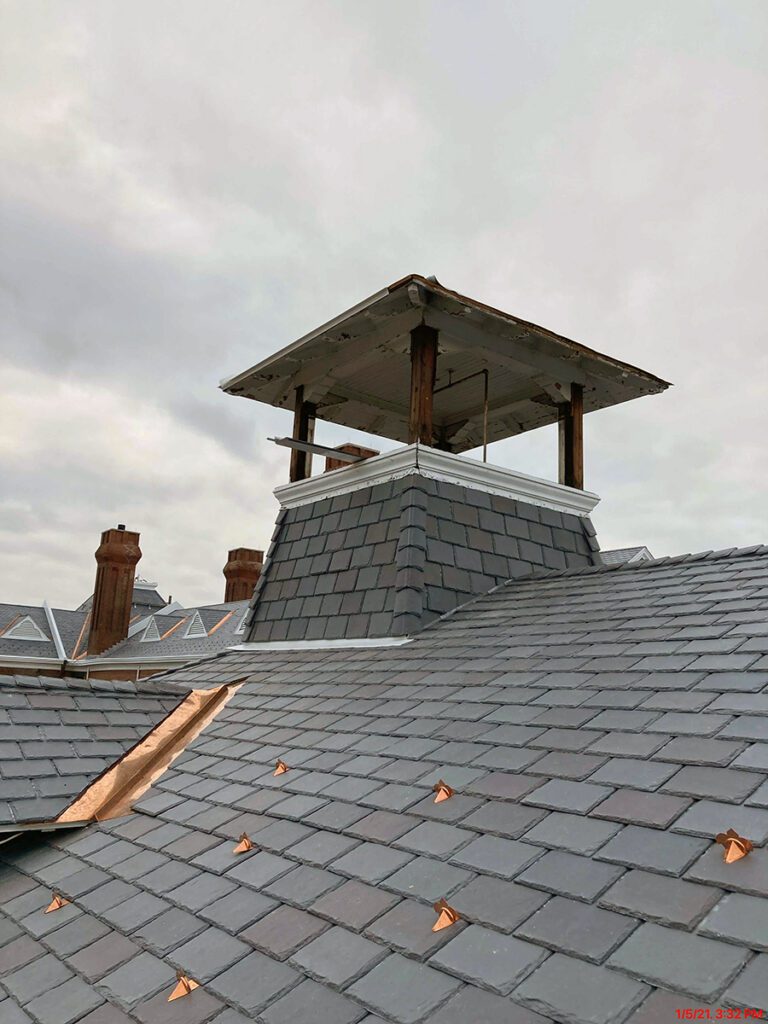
(116, 558)
(353, 449)
(242, 573)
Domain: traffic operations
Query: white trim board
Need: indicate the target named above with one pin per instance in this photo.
(437, 465)
(322, 645)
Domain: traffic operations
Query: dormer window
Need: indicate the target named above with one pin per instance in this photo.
(25, 629)
(196, 629)
(151, 632)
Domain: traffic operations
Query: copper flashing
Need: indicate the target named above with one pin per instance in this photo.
(11, 623)
(244, 844)
(443, 791)
(220, 623)
(121, 785)
(446, 916)
(736, 846)
(280, 767)
(85, 625)
(173, 629)
(56, 903)
(184, 985)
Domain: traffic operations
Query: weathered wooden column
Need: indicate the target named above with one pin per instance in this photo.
(423, 368)
(303, 430)
(571, 439)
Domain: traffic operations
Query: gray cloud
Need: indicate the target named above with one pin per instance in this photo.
(187, 187)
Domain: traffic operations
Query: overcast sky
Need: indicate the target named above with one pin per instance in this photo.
(189, 186)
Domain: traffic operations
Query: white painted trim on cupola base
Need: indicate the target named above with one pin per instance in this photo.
(437, 465)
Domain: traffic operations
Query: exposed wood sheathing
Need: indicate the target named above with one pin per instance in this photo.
(115, 792)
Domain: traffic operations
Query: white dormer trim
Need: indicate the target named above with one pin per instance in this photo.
(437, 465)
(241, 626)
(151, 633)
(26, 629)
(195, 628)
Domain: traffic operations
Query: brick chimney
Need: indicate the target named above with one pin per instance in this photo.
(242, 573)
(352, 449)
(116, 558)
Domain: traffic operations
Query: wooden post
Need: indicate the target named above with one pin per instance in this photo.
(423, 367)
(303, 430)
(571, 439)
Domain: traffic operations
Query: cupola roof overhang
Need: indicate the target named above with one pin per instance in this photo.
(356, 369)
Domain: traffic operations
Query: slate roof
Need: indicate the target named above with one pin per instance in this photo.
(74, 636)
(223, 619)
(13, 613)
(388, 559)
(57, 735)
(599, 726)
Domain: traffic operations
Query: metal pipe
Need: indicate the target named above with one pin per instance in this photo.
(461, 380)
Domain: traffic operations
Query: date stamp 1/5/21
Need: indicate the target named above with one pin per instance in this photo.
(719, 1013)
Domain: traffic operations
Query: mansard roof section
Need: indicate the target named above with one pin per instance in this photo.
(356, 368)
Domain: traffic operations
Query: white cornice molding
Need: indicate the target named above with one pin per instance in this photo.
(438, 465)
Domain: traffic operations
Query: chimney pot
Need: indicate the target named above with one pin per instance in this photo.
(242, 573)
(116, 559)
(353, 449)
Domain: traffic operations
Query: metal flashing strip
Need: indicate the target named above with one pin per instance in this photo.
(322, 645)
(114, 793)
(61, 653)
(438, 465)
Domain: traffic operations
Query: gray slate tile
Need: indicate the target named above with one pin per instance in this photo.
(283, 931)
(338, 957)
(503, 857)
(749, 875)
(403, 990)
(670, 901)
(637, 808)
(407, 928)
(568, 875)
(648, 848)
(65, 1003)
(488, 958)
(496, 902)
(750, 989)
(254, 982)
(572, 832)
(708, 817)
(354, 904)
(583, 930)
(574, 992)
(740, 919)
(208, 954)
(675, 959)
(310, 1003)
(479, 1006)
(137, 979)
(427, 879)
